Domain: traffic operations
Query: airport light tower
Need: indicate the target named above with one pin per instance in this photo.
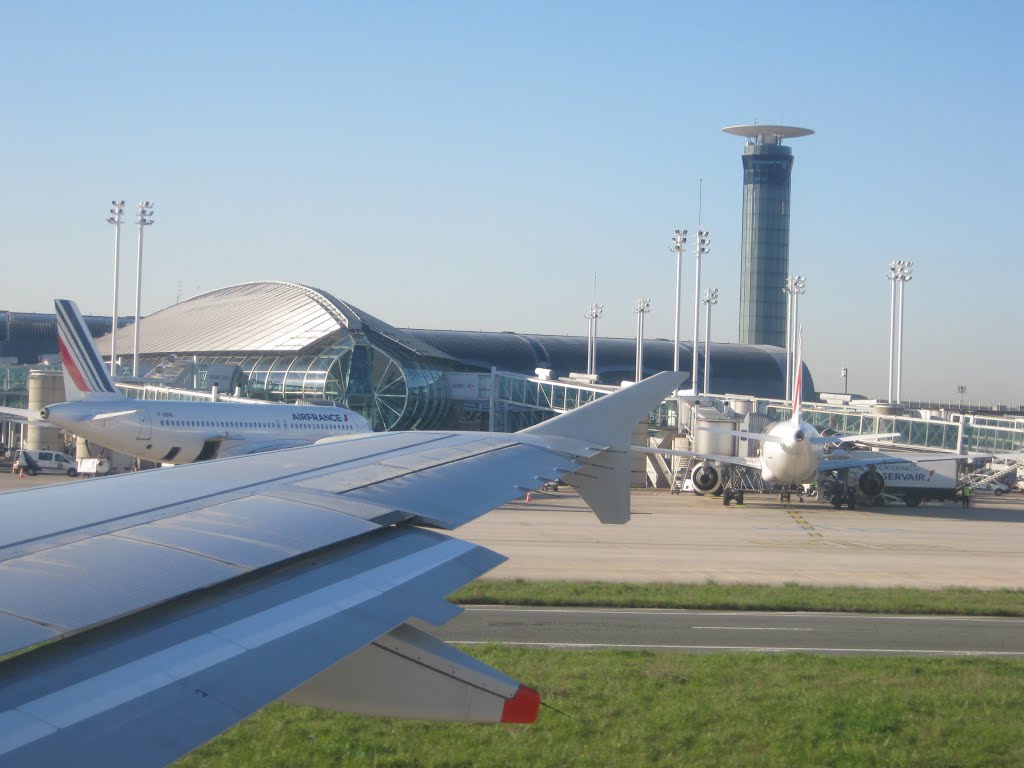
(900, 272)
(793, 289)
(643, 306)
(142, 220)
(905, 277)
(594, 311)
(118, 210)
(677, 247)
(767, 171)
(710, 297)
(702, 246)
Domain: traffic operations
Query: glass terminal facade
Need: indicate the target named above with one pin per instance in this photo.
(287, 342)
(767, 170)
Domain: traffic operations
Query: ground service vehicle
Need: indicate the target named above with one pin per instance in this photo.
(928, 481)
(34, 462)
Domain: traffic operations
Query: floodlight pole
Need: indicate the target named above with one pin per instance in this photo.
(892, 277)
(117, 210)
(677, 247)
(643, 306)
(702, 247)
(793, 288)
(142, 220)
(905, 276)
(710, 297)
(594, 311)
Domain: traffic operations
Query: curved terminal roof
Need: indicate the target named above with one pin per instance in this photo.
(256, 317)
(267, 321)
(737, 368)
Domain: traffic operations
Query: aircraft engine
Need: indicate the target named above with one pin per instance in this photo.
(706, 479)
(871, 482)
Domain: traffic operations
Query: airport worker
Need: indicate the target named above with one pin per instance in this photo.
(966, 495)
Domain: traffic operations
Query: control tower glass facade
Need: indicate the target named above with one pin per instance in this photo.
(767, 170)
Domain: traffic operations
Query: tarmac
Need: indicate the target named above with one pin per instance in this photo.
(690, 539)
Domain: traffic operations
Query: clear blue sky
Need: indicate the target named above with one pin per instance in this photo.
(471, 165)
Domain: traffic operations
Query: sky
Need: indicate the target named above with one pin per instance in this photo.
(482, 165)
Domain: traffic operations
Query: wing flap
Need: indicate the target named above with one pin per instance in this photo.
(150, 688)
(408, 673)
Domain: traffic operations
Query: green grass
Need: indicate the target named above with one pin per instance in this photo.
(644, 709)
(710, 595)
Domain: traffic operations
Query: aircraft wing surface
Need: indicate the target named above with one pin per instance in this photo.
(246, 447)
(172, 603)
(741, 461)
(19, 414)
(828, 465)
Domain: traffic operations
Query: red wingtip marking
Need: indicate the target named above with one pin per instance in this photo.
(523, 707)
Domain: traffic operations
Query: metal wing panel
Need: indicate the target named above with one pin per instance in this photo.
(146, 690)
(483, 482)
(292, 527)
(89, 581)
(64, 513)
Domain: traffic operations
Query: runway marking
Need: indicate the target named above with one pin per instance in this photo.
(763, 629)
(749, 648)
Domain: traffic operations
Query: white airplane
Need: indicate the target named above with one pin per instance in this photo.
(142, 614)
(792, 452)
(167, 431)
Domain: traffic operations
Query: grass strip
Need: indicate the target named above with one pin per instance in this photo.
(954, 601)
(667, 710)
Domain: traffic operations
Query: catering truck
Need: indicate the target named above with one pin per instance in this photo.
(924, 480)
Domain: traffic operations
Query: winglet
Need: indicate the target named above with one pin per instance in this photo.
(607, 424)
(84, 374)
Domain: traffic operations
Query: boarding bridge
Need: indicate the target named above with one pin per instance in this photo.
(517, 401)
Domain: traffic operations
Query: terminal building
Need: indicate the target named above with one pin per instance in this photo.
(281, 341)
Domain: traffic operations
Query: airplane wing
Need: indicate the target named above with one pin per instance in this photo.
(742, 461)
(247, 447)
(146, 613)
(758, 436)
(828, 465)
(19, 414)
(843, 439)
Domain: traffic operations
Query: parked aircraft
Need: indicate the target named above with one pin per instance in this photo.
(168, 431)
(142, 614)
(792, 452)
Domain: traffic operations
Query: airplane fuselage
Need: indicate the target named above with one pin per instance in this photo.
(173, 432)
(795, 459)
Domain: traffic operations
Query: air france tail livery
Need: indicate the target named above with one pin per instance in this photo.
(172, 432)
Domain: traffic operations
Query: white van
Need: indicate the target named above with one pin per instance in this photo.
(34, 462)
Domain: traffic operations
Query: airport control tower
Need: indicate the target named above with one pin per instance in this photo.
(767, 168)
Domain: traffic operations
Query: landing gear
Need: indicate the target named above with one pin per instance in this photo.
(786, 494)
(729, 495)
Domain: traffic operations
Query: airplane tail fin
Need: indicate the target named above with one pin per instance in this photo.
(607, 425)
(85, 378)
(798, 377)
